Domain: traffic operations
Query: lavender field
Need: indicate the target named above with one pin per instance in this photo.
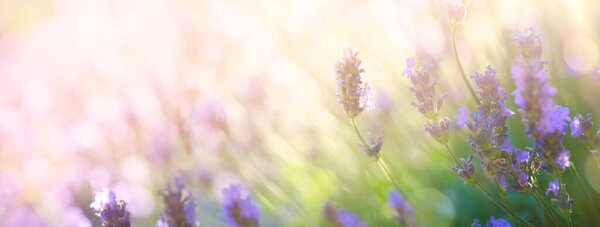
(121, 113)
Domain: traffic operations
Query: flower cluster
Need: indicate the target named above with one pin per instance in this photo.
(351, 93)
(402, 207)
(375, 144)
(239, 211)
(112, 212)
(466, 171)
(493, 222)
(341, 217)
(545, 122)
(489, 135)
(582, 128)
(180, 210)
(424, 89)
(563, 201)
(456, 10)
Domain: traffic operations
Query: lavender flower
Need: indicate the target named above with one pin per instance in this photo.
(351, 93)
(466, 171)
(544, 121)
(563, 202)
(493, 222)
(402, 207)
(112, 213)
(341, 217)
(424, 90)
(583, 129)
(489, 135)
(529, 43)
(456, 10)
(375, 144)
(180, 210)
(239, 211)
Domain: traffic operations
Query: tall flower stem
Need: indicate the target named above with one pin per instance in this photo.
(502, 205)
(585, 192)
(380, 161)
(462, 71)
(452, 154)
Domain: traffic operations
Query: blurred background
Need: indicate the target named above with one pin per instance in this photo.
(129, 94)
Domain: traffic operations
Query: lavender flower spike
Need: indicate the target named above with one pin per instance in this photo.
(402, 207)
(239, 211)
(340, 217)
(564, 203)
(351, 93)
(493, 222)
(456, 10)
(112, 213)
(180, 209)
(466, 171)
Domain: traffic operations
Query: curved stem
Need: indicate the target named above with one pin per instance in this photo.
(382, 165)
(501, 205)
(462, 71)
(452, 155)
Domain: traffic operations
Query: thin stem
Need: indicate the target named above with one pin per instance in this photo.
(501, 205)
(462, 71)
(570, 221)
(389, 176)
(452, 154)
(382, 165)
(585, 192)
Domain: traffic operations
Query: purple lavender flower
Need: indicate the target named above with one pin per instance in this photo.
(239, 211)
(424, 89)
(375, 144)
(563, 202)
(582, 128)
(493, 222)
(544, 121)
(180, 209)
(529, 43)
(466, 171)
(351, 93)
(439, 129)
(489, 135)
(402, 207)
(341, 217)
(111, 212)
(456, 10)
(574, 125)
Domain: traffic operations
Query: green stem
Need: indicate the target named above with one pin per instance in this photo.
(562, 197)
(462, 71)
(585, 192)
(382, 165)
(501, 205)
(454, 157)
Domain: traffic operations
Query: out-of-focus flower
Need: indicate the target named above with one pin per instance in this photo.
(402, 207)
(466, 171)
(180, 209)
(493, 222)
(564, 202)
(351, 93)
(456, 10)
(424, 89)
(239, 211)
(439, 129)
(375, 144)
(341, 217)
(529, 43)
(112, 212)
(544, 121)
